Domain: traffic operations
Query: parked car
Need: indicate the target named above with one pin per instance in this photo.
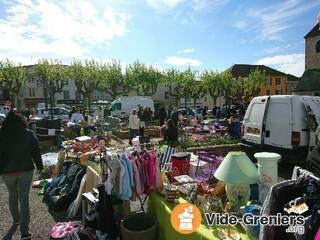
(58, 113)
(284, 124)
(2, 117)
(123, 106)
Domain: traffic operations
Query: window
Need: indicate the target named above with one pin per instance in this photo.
(66, 95)
(116, 106)
(268, 91)
(256, 113)
(269, 81)
(166, 95)
(278, 81)
(279, 92)
(32, 92)
(318, 47)
(39, 82)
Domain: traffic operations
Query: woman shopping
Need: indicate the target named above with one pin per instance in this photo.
(19, 152)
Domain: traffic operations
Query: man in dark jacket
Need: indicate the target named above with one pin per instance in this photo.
(162, 116)
(19, 152)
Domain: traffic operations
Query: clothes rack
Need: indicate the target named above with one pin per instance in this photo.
(298, 171)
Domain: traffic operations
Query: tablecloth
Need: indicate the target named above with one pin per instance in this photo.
(161, 209)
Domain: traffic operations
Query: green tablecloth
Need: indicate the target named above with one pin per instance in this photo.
(161, 209)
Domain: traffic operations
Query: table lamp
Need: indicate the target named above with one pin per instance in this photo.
(237, 172)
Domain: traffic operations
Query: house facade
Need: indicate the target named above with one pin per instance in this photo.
(276, 83)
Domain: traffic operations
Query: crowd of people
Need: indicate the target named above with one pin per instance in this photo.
(82, 119)
(139, 119)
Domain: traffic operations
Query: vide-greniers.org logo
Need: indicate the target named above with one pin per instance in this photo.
(186, 219)
(295, 223)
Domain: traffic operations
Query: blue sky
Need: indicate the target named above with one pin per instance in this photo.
(205, 34)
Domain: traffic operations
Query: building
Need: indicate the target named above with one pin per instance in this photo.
(276, 84)
(309, 83)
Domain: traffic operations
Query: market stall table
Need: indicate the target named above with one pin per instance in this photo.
(161, 209)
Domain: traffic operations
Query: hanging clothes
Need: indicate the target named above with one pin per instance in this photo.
(278, 196)
(107, 221)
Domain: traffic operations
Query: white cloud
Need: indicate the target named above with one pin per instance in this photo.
(273, 50)
(187, 50)
(194, 4)
(179, 61)
(159, 4)
(270, 22)
(290, 63)
(43, 28)
(242, 24)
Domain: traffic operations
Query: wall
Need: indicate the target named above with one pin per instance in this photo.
(312, 58)
(273, 87)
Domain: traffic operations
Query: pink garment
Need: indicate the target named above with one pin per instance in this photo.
(157, 178)
(317, 235)
(152, 170)
(136, 176)
(147, 172)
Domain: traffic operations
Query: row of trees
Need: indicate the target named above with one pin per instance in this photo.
(110, 77)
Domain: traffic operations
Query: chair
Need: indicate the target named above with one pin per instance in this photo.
(213, 162)
(165, 159)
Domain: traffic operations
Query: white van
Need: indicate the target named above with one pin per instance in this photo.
(284, 124)
(123, 106)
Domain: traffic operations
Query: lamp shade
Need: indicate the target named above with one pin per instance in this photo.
(237, 168)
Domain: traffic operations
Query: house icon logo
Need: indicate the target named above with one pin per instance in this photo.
(185, 218)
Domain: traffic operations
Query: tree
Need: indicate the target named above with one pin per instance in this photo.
(87, 78)
(43, 72)
(53, 76)
(227, 85)
(253, 84)
(213, 84)
(180, 83)
(144, 79)
(12, 77)
(246, 88)
(113, 81)
(58, 79)
(197, 91)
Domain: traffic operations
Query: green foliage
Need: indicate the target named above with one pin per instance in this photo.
(113, 81)
(87, 77)
(197, 90)
(210, 141)
(12, 76)
(180, 83)
(218, 84)
(212, 83)
(145, 80)
(256, 80)
(53, 76)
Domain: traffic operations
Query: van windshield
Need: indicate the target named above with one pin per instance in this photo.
(116, 106)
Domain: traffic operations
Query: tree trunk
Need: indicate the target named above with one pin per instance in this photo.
(51, 104)
(89, 102)
(214, 101)
(45, 92)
